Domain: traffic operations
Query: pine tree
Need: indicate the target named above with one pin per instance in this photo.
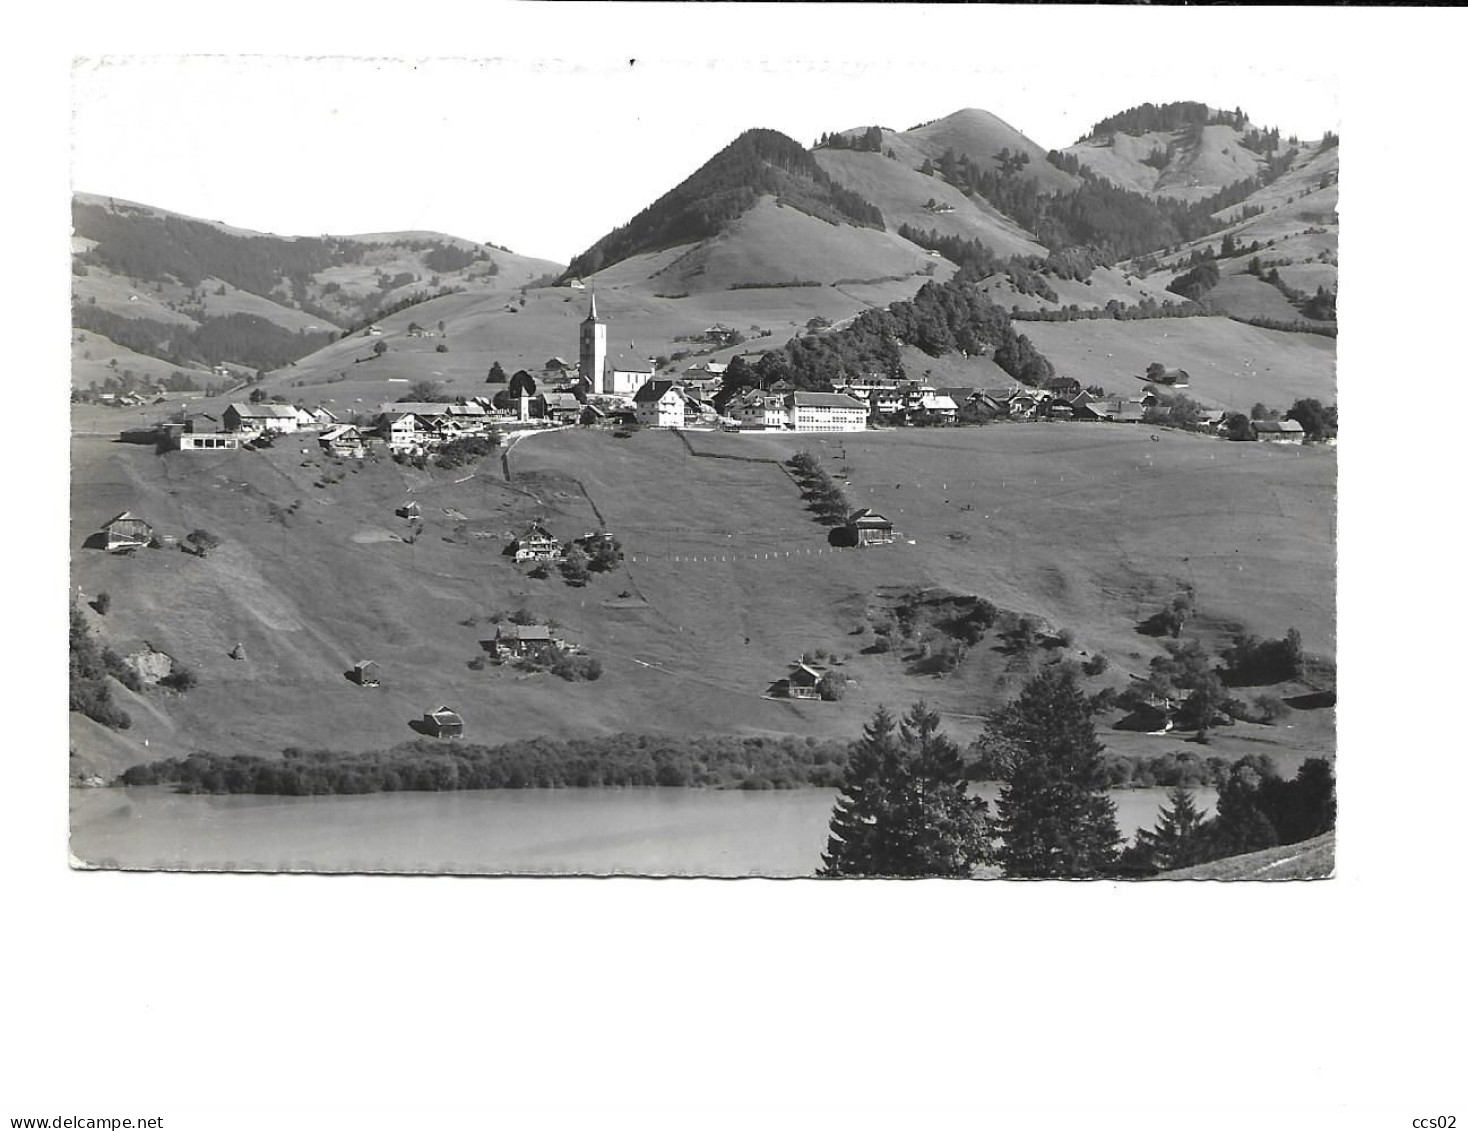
(1176, 842)
(1055, 818)
(904, 809)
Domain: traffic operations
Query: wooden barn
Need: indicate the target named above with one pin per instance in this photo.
(127, 532)
(870, 528)
(444, 723)
(803, 682)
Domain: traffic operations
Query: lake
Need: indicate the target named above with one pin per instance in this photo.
(530, 831)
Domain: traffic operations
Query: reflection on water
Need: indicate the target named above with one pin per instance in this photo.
(531, 831)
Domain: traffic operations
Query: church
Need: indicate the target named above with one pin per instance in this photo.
(607, 379)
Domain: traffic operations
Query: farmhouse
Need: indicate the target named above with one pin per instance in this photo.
(444, 723)
(261, 418)
(803, 682)
(1279, 431)
(825, 412)
(561, 408)
(870, 528)
(537, 544)
(127, 532)
(403, 431)
(660, 404)
(344, 440)
(521, 640)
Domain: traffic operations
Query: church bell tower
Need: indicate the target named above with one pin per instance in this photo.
(593, 357)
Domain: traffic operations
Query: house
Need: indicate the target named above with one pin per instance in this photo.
(558, 365)
(825, 412)
(403, 431)
(127, 532)
(937, 405)
(660, 404)
(443, 723)
(318, 417)
(591, 415)
(537, 544)
(260, 418)
(366, 673)
(719, 333)
(344, 440)
(1062, 386)
(521, 640)
(870, 528)
(561, 408)
(1279, 431)
(756, 409)
(803, 682)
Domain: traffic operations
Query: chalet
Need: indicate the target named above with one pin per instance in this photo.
(560, 408)
(1062, 386)
(1278, 431)
(660, 404)
(756, 409)
(803, 682)
(410, 509)
(260, 418)
(591, 415)
(127, 532)
(317, 418)
(825, 412)
(936, 405)
(1092, 409)
(443, 723)
(537, 544)
(366, 673)
(403, 431)
(576, 284)
(869, 528)
(699, 412)
(521, 640)
(558, 365)
(719, 333)
(345, 440)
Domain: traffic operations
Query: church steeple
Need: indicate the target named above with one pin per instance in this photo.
(593, 351)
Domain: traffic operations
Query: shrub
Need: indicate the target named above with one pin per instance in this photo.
(203, 542)
(102, 602)
(831, 687)
(576, 668)
(440, 348)
(1095, 665)
(181, 678)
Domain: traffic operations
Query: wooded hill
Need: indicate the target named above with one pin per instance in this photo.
(757, 163)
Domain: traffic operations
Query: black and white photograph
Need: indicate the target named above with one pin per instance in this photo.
(525, 465)
(911, 488)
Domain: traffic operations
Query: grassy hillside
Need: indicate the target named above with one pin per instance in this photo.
(981, 136)
(1232, 366)
(1312, 859)
(1198, 167)
(902, 193)
(757, 164)
(1090, 528)
(142, 263)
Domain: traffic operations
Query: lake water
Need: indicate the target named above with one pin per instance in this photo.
(530, 831)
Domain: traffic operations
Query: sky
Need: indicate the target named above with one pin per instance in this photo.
(570, 118)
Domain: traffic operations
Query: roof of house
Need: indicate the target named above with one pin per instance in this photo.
(938, 402)
(126, 516)
(524, 632)
(958, 395)
(339, 432)
(654, 391)
(558, 363)
(266, 411)
(800, 667)
(561, 400)
(535, 530)
(445, 716)
(823, 400)
(868, 517)
(1277, 426)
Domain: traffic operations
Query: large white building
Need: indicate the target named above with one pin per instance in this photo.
(825, 412)
(661, 404)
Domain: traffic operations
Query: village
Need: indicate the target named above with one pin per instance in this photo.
(595, 392)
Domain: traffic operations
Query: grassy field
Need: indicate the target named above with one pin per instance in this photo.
(1232, 365)
(728, 579)
(1312, 859)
